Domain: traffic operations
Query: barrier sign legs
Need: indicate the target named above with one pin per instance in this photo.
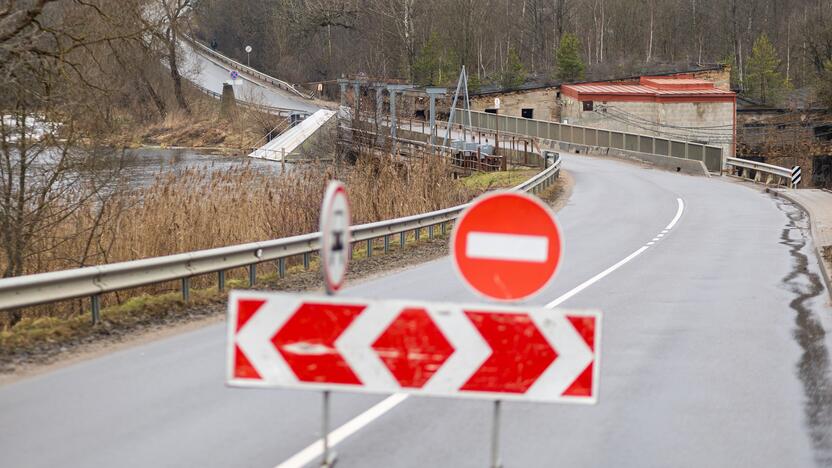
(495, 437)
(327, 459)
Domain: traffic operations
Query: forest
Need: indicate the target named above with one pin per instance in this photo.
(511, 41)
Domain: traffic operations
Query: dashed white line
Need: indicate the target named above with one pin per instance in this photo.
(354, 425)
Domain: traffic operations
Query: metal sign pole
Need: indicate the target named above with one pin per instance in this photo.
(495, 437)
(327, 459)
(335, 239)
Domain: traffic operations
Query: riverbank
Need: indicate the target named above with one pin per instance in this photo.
(203, 128)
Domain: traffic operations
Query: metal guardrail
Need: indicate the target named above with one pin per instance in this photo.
(711, 156)
(754, 170)
(92, 281)
(248, 70)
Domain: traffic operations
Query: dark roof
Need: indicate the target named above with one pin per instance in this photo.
(655, 70)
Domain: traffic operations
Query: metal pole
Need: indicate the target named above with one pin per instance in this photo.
(186, 289)
(281, 267)
(95, 305)
(327, 459)
(220, 280)
(432, 118)
(252, 275)
(392, 93)
(495, 437)
(306, 261)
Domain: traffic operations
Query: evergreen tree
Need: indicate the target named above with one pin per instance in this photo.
(433, 65)
(514, 74)
(570, 66)
(763, 81)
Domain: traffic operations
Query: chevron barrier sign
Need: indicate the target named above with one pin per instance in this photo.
(796, 178)
(433, 349)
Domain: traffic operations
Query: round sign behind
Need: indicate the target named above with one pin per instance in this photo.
(335, 236)
(234, 75)
(506, 245)
(248, 49)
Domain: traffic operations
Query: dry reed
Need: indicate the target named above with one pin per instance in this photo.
(197, 209)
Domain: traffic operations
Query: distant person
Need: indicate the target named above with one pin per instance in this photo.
(214, 44)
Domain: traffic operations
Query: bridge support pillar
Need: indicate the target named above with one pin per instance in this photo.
(228, 103)
(343, 84)
(433, 93)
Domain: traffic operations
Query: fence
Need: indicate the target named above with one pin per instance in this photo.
(711, 156)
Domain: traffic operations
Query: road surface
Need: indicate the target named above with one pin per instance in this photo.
(714, 354)
(210, 74)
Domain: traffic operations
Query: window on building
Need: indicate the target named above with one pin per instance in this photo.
(527, 113)
(823, 132)
(587, 105)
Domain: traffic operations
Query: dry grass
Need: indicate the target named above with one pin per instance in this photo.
(199, 209)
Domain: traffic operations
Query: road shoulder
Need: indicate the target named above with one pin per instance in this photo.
(818, 205)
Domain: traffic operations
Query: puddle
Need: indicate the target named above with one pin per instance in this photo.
(813, 368)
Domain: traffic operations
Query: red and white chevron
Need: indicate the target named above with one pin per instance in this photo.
(440, 349)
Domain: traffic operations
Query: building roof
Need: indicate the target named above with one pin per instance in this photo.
(656, 72)
(650, 89)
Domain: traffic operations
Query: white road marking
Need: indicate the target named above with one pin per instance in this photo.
(315, 450)
(354, 425)
(511, 247)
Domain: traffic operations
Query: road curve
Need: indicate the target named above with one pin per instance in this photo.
(714, 354)
(210, 74)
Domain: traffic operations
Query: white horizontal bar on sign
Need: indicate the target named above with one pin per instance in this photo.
(511, 247)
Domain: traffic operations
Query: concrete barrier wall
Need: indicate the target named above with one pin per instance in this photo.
(668, 163)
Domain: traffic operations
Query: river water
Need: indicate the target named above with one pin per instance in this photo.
(142, 165)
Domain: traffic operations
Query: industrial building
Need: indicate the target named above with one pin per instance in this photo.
(675, 107)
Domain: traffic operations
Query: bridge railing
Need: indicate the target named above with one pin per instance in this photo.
(248, 70)
(93, 281)
(711, 156)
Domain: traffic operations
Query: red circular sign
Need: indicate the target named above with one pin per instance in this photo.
(506, 245)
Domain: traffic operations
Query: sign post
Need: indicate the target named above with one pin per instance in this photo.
(335, 247)
(248, 54)
(506, 246)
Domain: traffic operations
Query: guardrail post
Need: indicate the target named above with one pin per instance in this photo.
(401, 239)
(444, 227)
(369, 248)
(186, 289)
(281, 267)
(430, 232)
(95, 306)
(416, 233)
(306, 261)
(252, 275)
(386, 244)
(221, 280)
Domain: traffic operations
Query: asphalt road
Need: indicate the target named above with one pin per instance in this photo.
(211, 74)
(714, 354)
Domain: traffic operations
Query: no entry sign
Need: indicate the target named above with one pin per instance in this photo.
(443, 349)
(506, 245)
(335, 236)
